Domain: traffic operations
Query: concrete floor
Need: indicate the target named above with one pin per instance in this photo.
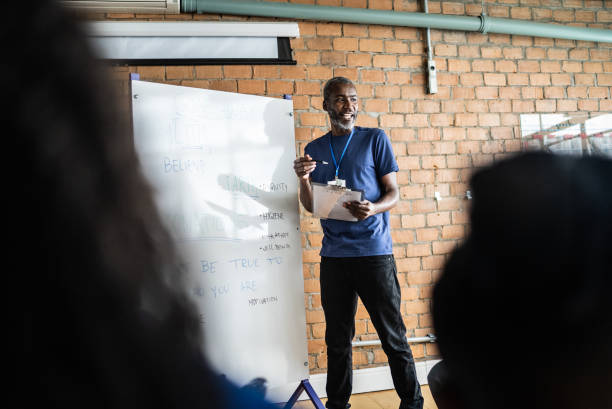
(375, 400)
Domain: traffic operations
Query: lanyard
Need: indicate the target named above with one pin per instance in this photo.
(337, 165)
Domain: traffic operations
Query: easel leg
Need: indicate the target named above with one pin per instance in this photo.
(312, 395)
(304, 386)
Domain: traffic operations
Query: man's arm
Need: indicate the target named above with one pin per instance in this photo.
(364, 209)
(303, 167)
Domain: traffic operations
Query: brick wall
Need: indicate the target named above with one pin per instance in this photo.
(485, 83)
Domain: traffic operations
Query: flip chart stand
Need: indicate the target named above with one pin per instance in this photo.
(304, 386)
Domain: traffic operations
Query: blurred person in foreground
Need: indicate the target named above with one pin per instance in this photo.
(98, 316)
(523, 309)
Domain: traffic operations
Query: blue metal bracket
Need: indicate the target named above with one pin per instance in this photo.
(305, 386)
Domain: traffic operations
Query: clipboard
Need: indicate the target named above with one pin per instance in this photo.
(328, 200)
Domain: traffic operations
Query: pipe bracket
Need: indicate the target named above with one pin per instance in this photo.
(485, 24)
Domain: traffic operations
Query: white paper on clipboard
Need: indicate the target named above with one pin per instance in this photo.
(328, 200)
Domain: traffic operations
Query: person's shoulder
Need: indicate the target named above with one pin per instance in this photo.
(375, 135)
(318, 141)
(373, 132)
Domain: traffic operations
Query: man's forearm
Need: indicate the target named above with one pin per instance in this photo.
(306, 194)
(387, 201)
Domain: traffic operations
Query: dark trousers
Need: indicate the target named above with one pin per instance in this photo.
(374, 280)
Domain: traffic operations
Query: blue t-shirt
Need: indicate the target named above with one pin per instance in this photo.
(367, 159)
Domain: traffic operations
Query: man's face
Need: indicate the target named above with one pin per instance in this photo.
(342, 107)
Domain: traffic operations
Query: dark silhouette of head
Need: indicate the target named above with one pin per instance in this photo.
(98, 315)
(522, 309)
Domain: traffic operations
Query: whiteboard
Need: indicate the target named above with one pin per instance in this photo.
(221, 165)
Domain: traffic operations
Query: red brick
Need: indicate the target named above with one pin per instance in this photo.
(584, 79)
(411, 192)
(444, 148)
(539, 79)
(224, 85)
(402, 236)
(329, 29)
(316, 73)
(546, 105)
(359, 60)
(318, 43)
(459, 65)
(391, 91)
(433, 162)
(179, 72)
(471, 79)
(350, 73)
(453, 133)
(567, 105)
(494, 79)
(528, 66)
(313, 119)
(418, 277)
(441, 120)
(372, 45)
(208, 71)
(385, 61)
(445, 50)
(398, 77)
(396, 47)
(308, 88)
(438, 219)
(443, 247)
(346, 44)
(402, 106)
(238, 71)
(354, 30)
(428, 234)
(380, 4)
(489, 119)
(486, 92)
(483, 65)
(604, 79)
(306, 57)
(428, 134)
(377, 31)
(391, 120)
(372, 76)
(280, 87)
(377, 105)
(333, 58)
(523, 106)
(408, 264)
(293, 72)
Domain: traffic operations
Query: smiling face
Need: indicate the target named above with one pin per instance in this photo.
(342, 107)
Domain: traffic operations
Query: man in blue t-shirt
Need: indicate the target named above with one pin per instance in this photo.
(357, 257)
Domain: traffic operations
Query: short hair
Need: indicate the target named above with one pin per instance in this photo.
(333, 83)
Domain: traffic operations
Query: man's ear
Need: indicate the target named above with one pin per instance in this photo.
(324, 105)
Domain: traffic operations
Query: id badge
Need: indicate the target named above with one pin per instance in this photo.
(337, 182)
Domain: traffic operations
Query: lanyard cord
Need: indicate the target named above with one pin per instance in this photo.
(337, 165)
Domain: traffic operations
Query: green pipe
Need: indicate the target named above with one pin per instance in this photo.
(482, 24)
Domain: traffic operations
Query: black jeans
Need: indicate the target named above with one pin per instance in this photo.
(374, 280)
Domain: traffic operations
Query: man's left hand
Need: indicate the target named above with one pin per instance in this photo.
(361, 209)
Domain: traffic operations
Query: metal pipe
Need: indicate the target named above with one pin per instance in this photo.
(428, 338)
(432, 76)
(394, 18)
(429, 51)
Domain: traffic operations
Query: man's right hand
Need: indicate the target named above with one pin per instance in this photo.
(304, 166)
